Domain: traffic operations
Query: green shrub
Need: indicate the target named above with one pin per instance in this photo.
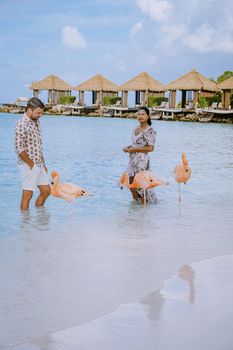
(110, 100)
(202, 102)
(215, 98)
(156, 101)
(65, 100)
(227, 74)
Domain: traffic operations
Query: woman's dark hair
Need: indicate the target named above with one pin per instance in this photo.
(34, 103)
(146, 109)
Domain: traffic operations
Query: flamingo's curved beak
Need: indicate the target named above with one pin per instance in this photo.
(52, 183)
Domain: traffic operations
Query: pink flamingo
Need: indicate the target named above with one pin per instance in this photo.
(182, 173)
(66, 191)
(144, 180)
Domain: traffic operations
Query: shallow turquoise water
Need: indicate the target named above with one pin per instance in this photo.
(88, 151)
(106, 250)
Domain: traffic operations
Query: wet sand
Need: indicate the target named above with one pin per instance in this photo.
(193, 310)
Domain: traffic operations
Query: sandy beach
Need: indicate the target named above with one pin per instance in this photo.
(192, 310)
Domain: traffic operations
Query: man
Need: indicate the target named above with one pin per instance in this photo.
(28, 145)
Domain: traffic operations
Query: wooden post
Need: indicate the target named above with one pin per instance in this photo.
(49, 97)
(81, 98)
(143, 98)
(172, 99)
(124, 98)
(146, 101)
(227, 99)
(223, 99)
(56, 99)
(195, 97)
(101, 98)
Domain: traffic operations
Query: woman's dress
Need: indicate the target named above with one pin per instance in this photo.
(141, 161)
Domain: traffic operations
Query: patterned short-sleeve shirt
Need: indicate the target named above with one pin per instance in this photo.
(28, 138)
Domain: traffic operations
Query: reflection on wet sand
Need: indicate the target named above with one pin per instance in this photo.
(163, 320)
(187, 274)
(154, 302)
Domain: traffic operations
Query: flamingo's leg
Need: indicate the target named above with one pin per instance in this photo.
(144, 197)
(70, 210)
(179, 199)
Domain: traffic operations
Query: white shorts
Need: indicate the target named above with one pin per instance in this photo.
(31, 178)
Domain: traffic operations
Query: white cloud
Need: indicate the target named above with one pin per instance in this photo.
(137, 27)
(119, 63)
(145, 58)
(158, 10)
(207, 39)
(72, 38)
(188, 26)
(173, 32)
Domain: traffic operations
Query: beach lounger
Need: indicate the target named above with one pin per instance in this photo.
(214, 105)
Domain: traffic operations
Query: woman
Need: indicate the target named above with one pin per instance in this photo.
(143, 140)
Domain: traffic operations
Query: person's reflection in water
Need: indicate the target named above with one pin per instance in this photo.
(188, 275)
(25, 220)
(155, 302)
(140, 221)
(35, 220)
(42, 218)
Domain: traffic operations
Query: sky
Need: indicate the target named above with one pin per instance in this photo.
(76, 40)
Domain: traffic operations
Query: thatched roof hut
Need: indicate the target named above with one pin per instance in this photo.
(100, 87)
(192, 81)
(142, 83)
(56, 88)
(52, 82)
(226, 86)
(97, 83)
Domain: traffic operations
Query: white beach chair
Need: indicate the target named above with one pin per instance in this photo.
(214, 105)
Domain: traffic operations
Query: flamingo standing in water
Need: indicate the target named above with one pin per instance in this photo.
(144, 180)
(66, 191)
(182, 173)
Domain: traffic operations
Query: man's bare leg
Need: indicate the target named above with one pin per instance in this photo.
(44, 193)
(25, 200)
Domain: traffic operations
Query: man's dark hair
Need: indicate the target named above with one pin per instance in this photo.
(34, 103)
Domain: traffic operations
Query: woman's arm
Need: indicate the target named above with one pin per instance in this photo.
(145, 149)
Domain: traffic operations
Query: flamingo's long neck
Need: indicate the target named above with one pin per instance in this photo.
(57, 177)
(125, 180)
(128, 184)
(184, 160)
